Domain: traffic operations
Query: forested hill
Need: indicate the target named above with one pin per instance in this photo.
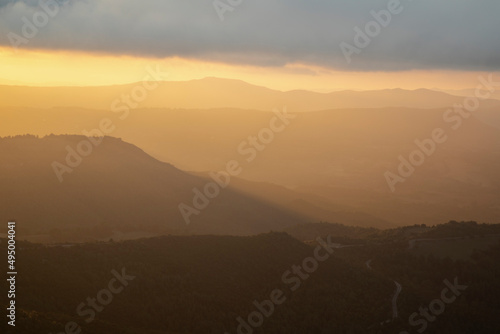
(203, 284)
(198, 284)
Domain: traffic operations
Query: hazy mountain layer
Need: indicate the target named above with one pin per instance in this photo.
(219, 93)
(338, 157)
(116, 187)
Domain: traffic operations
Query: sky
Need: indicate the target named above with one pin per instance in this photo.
(283, 44)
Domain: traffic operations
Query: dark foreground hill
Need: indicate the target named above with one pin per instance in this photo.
(197, 284)
(204, 284)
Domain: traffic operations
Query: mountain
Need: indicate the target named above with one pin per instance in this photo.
(467, 92)
(334, 160)
(219, 93)
(116, 187)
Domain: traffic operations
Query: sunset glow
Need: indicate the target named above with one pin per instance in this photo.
(50, 68)
(250, 166)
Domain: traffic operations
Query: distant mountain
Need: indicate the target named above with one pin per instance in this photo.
(219, 93)
(116, 187)
(467, 92)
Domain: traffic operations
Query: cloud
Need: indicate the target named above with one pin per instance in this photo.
(427, 34)
(32, 3)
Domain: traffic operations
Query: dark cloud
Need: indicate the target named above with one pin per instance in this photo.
(32, 3)
(427, 34)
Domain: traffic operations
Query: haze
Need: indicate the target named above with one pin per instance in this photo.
(250, 167)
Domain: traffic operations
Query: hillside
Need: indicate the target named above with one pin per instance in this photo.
(196, 284)
(334, 159)
(116, 187)
(200, 284)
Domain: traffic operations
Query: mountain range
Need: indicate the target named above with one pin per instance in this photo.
(213, 92)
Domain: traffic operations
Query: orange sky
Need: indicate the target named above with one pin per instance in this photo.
(43, 68)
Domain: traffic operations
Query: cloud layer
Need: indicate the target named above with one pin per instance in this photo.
(426, 34)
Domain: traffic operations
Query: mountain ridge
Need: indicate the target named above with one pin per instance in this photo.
(117, 187)
(214, 92)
